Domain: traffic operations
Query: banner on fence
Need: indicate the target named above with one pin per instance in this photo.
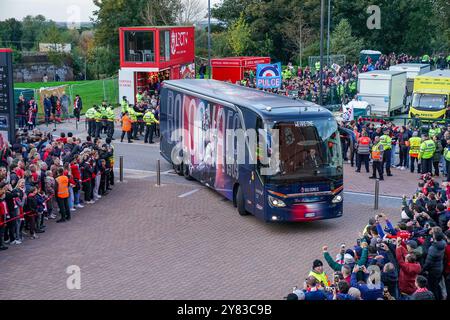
(268, 76)
(56, 91)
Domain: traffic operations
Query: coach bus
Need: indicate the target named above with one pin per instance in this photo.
(275, 158)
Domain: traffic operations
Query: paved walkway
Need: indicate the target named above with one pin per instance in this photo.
(179, 241)
(402, 182)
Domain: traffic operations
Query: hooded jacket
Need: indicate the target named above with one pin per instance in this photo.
(434, 262)
(408, 272)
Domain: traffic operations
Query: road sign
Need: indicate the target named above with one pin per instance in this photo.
(7, 108)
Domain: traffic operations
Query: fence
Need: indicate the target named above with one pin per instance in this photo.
(91, 92)
(339, 59)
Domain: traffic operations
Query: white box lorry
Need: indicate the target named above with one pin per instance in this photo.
(383, 90)
(412, 70)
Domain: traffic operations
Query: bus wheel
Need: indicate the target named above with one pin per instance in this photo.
(178, 169)
(240, 202)
(186, 172)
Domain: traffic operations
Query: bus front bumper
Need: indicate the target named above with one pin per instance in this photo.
(302, 212)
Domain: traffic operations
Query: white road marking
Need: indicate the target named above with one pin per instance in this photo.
(371, 195)
(188, 193)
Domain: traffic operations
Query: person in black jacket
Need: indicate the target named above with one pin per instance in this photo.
(9, 199)
(434, 262)
(31, 211)
(86, 173)
(22, 111)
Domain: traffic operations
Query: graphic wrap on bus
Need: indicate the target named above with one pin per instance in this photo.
(201, 144)
(287, 169)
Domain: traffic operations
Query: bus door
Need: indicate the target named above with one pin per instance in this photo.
(247, 170)
(258, 184)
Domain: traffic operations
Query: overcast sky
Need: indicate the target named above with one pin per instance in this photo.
(56, 10)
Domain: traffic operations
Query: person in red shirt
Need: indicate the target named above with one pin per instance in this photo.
(62, 138)
(76, 178)
(409, 269)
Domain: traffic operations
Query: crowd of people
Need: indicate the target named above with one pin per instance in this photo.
(419, 151)
(55, 107)
(407, 260)
(339, 82)
(43, 178)
(141, 119)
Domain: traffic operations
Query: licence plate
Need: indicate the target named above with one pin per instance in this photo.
(310, 215)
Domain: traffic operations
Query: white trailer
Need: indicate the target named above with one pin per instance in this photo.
(383, 90)
(412, 70)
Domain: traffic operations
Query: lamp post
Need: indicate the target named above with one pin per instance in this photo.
(209, 38)
(321, 52)
(328, 35)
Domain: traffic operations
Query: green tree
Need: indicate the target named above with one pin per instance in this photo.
(11, 33)
(219, 45)
(32, 27)
(342, 41)
(239, 37)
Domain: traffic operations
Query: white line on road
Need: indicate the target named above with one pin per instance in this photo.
(370, 195)
(188, 193)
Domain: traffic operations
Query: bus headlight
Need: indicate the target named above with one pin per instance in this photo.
(277, 203)
(337, 199)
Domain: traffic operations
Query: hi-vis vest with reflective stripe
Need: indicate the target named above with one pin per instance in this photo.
(386, 141)
(427, 149)
(63, 187)
(414, 146)
(376, 153)
(447, 154)
(364, 145)
(434, 132)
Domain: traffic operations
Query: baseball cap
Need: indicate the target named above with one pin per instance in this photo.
(412, 243)
(317, 263)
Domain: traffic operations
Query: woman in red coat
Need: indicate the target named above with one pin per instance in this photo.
(409, 269)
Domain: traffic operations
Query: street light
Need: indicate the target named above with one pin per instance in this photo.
(209, 38)
(328, 35)
(321, 52)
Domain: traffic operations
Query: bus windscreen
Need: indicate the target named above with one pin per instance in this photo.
(308, 150)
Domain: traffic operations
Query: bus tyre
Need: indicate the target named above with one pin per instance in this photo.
(178, 169)
(186, 172)
(240, 202)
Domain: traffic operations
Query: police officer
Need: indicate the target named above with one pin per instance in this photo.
(363, 152)
(447, 159)
(139, 97)
(103, 111)
(317, 65)
(139, 108)
(110, 124)
(98, 122)
(124, 104)
(377, 158)
(414, 150)
(90, 113)
(434, 131)
(135, 125)
(386, 141)
(150, 124)
(427, 148)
